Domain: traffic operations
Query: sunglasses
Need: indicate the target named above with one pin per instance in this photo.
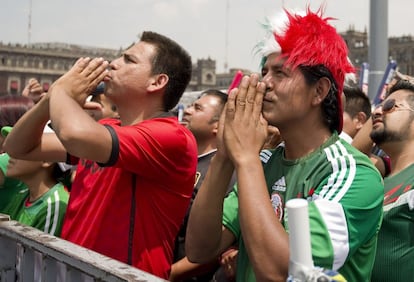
(389, 106)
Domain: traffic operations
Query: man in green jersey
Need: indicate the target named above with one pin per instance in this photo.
(393, 132)
(300, 93)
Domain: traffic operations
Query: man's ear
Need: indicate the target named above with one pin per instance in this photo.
(157, 82)
(361, 118)
(322, 87)
(215, 128)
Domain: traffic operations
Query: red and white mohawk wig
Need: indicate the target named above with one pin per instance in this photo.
(275, 25)
(310, 41)
(307, 39)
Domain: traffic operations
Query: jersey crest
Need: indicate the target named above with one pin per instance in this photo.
(277, 204)
(280, 185)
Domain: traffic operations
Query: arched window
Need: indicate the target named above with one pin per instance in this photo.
(209, 77)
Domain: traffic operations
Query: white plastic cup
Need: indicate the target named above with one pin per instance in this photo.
(299, 232)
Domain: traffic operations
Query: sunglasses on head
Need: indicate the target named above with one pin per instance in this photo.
(390, 105)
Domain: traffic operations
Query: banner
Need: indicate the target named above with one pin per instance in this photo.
(363, 77)
(386, 79)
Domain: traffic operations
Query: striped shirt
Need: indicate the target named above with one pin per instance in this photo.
(45, 214)
(395, 252)
(345, 193)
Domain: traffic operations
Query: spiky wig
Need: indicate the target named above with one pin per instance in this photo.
(307, 39)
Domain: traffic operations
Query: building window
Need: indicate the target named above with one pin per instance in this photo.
(14, 84)
(14, 87)
(209, 77)
(20, 62)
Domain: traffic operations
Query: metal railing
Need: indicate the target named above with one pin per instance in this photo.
(28, 254)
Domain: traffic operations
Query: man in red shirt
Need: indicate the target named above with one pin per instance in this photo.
(135, 174)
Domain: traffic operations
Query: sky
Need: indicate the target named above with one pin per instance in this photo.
(223, 30)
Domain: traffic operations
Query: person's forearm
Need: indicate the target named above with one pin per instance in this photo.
(27, 132)
(184, 269)
(263, 234)
(67, 116)
(74, 128)
(79, 133)
(204, 230)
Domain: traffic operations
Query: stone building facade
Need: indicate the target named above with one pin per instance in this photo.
(401, 49)
(47, 61)
(43, 61)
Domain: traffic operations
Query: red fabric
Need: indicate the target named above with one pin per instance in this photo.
(27, 203)
(45, 86)
(163, 156)
(310, 41)
(387, 164)
(14, 85)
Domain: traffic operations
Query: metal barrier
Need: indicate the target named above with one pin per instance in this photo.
(28, 254)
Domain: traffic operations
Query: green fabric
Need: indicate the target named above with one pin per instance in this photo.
(345, 192)
(395, 254)
(10, 187)
(45, 214)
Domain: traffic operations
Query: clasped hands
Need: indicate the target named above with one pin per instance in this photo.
(81, 79)
(242, 128)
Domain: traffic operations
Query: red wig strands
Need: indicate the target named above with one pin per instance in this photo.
(309, 40)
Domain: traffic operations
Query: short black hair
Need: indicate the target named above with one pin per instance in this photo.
(356, 101)
(222, 98)
(330, 105)
(404, 84)
(172, 60)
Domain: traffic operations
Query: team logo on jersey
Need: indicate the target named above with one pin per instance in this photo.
(280, 185)
(265, 156)
(277, 203)
(392, 195)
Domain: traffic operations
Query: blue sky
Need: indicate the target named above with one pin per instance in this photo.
(199, 25)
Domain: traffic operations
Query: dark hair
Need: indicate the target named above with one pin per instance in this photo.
(12, 108)
(172, 60)
(404, 84)
(356, 101)
(222, 98)
(330, 105)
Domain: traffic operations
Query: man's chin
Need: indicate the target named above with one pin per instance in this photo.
(377, 136)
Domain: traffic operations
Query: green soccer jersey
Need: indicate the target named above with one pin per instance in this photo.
(395, 252)
(345, 194)
(45, 214)
(10, 186)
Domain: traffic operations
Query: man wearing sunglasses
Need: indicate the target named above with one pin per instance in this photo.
(393, 132)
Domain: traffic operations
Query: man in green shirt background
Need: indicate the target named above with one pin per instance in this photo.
(393, 132)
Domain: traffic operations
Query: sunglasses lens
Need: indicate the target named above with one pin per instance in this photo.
(388, 105)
